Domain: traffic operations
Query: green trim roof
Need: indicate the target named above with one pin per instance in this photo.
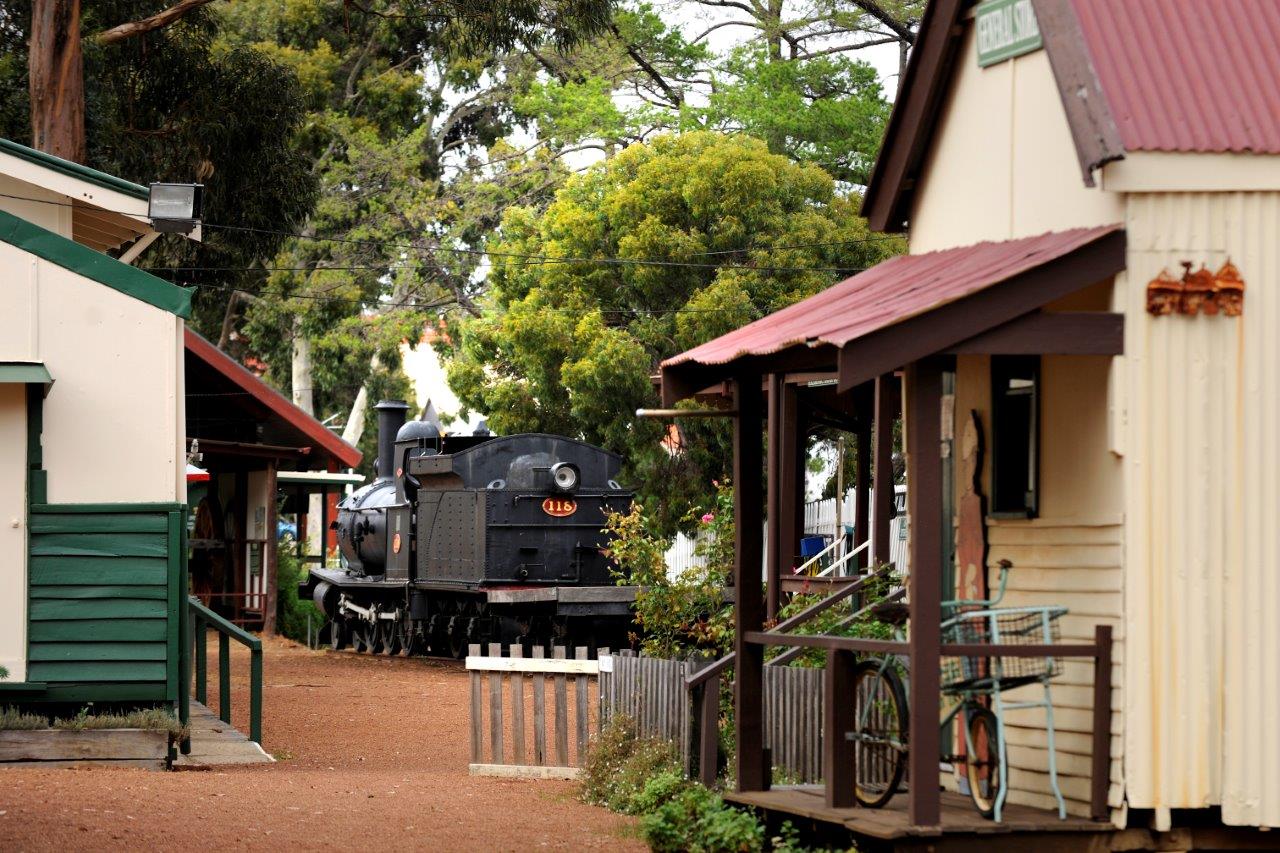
(103, 269)
(75, 170)
(24, 373)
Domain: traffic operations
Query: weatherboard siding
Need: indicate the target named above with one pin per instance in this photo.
(104, 591)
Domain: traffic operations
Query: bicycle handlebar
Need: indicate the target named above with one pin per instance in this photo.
(1005, 566)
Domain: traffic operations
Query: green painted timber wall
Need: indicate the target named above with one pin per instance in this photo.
(105, 584)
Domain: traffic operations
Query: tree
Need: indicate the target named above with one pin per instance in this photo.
(658, 249)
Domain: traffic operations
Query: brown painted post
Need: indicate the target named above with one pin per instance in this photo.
(708, 709)
(270, 557)
(1101, 769)
(838, 752)
(886, 410)
(773, 569)
(790, 481)
(861, 482)
(748, 695)
(924, 501)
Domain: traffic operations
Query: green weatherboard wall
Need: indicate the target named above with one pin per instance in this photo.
(105, 582)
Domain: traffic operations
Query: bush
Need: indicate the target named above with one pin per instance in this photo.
(687, 613)
(619, 766)
(291, 611)
(699, 821)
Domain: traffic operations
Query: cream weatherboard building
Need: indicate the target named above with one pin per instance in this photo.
(1091, 192)
(92, 462)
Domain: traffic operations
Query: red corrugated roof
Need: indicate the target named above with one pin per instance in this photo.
(889, 293)
(344, 453)
(1188, 75)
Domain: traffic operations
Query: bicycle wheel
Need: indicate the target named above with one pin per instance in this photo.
(880, 733)
(983, 767)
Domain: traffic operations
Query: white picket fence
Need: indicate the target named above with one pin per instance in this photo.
(819, 519)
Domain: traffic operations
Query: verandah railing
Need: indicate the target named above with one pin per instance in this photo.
(199, 620)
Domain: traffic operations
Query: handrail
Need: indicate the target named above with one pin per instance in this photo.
(846, 558)
(835, 544)
(800, 618)
(202, 618)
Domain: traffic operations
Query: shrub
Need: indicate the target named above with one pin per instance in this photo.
(291, 611)
(620, 765)
(13, 719)
(686, 613)
(697, 820)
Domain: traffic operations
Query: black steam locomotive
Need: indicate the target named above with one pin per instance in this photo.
(475, 539)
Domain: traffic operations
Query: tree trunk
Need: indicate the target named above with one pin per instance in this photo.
(303, 397)
(355, 420)
(56, 69)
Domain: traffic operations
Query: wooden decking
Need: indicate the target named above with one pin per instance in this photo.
(890, 823)
(216, 742)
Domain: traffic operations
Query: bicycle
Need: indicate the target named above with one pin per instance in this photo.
(880, 691)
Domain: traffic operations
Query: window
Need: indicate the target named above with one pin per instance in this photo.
(1015, 436)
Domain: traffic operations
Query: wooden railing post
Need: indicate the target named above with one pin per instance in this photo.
(201, 641)
(753, 771)
(224, 678)
(1101, 769)
(495, 707)
(838, 719)
(255, 695)
(477, 710)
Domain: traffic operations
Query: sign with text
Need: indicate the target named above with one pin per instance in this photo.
(1006, 28)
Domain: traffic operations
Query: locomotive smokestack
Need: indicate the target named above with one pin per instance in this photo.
(390, 419)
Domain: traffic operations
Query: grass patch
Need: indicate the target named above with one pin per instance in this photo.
(13, 720)
(150, 719)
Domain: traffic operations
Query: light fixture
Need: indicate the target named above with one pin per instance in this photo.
(175, 208)
(564, 476)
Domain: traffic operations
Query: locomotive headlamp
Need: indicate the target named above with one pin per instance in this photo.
(564, 476)
(175, 208)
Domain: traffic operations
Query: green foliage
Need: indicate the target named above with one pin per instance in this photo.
(620, 767)
(4, 673)
(568, 348)
(688, 613)
(838, 620)
(826, 109)
(292, 611)
(697, 820)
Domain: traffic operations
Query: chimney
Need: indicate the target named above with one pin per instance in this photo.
(390, 418)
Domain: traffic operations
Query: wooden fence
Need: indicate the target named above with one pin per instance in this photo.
(523, 723)
(510, 724)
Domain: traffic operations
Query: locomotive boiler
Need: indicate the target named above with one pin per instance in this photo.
(475, 539)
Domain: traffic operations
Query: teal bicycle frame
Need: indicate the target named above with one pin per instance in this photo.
(958, 614)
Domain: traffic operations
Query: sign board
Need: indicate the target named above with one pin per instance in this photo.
(1006, 28)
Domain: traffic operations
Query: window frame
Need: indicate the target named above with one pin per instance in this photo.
(1004, 368)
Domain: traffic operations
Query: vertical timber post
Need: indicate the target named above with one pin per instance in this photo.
(790, 480)
(773, 571)
(839, 752)
(861, 482)
(924, 496)
(748, 692)
(886, 411)
(270, 555)
(1101, 759)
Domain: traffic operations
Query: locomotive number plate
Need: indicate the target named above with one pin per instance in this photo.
(559, 507)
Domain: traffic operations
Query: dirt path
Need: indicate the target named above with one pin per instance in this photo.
(373, 757)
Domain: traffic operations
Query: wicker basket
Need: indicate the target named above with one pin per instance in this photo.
(1000, 626)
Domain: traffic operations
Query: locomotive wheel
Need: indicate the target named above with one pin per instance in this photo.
(390, 636)
(357, 638)
(457, 645)
(338, 634)
(373, 636)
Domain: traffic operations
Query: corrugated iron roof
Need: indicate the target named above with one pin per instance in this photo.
(1188, 75)
(889, 293)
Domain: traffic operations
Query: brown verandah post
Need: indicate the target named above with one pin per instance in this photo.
(924, 497)
(753, 770)
(886, 411)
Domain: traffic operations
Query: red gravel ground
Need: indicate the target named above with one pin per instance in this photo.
(374, 755)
